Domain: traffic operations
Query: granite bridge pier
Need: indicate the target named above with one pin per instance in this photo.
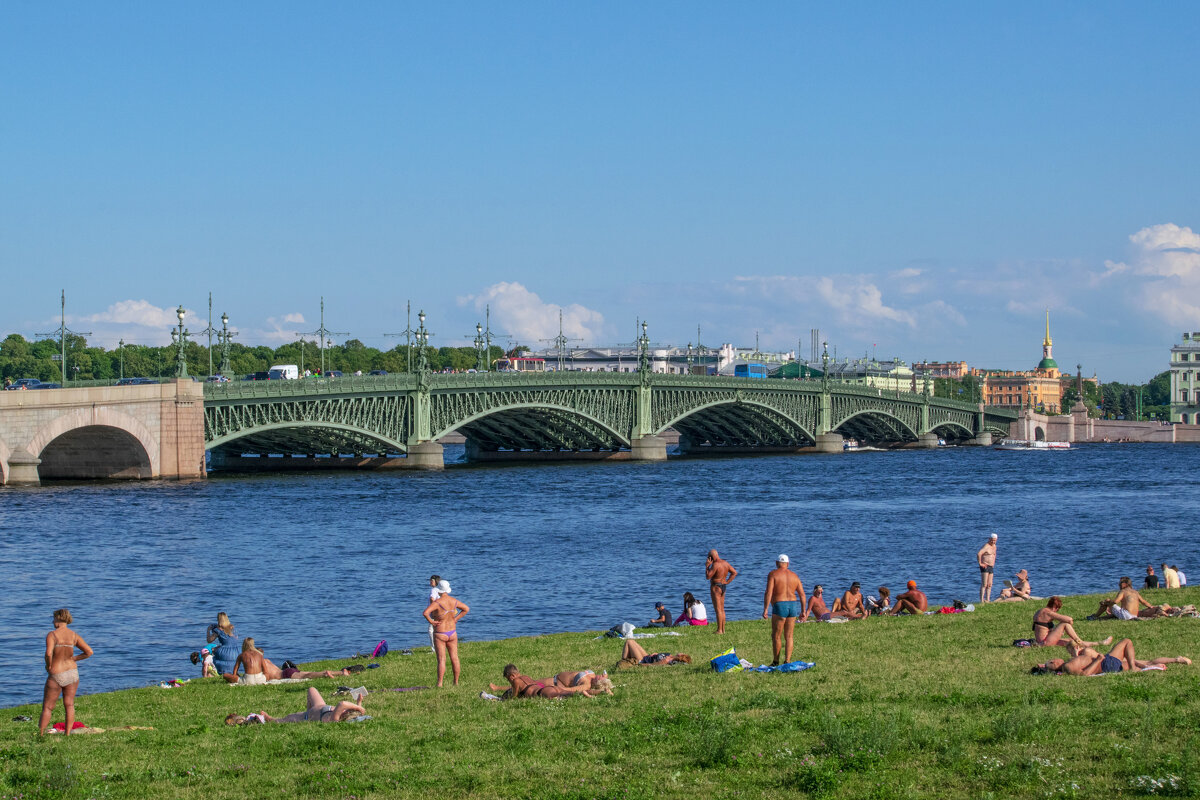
(395, 421)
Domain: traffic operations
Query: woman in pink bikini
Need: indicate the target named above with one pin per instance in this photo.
(61, 664)
(444, 614)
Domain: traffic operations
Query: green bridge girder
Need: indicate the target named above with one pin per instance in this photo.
(568, 411)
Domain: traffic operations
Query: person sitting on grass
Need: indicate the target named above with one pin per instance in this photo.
(694, 612)
(251, 660)
(663, 620)
(881, 604)
(911, 602)
(1053, 628)
(317, 711)
(1126, 605)
(1089, 662)
(1021, 590)
(850, 605)
(816, 606)
(525, 686)
(634, 654)
(208, 669)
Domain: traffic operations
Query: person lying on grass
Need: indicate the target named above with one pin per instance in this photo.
(1053, 628)
(1089, 662)
(318, 711)
(634, 653)
(525, 686)
(1127, 603)
(575, 678)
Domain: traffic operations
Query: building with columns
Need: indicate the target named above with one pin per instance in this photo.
(1185, 379)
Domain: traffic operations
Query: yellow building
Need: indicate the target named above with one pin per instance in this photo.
(1038, 387)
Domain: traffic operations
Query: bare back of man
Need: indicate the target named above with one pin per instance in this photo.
(719, 573)
(780, 600)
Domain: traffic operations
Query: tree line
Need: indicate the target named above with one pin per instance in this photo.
(21, 358)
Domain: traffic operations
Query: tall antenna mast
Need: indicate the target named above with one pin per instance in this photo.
(407, 333)
(63, 330)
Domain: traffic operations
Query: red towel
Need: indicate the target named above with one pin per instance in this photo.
(62, 726)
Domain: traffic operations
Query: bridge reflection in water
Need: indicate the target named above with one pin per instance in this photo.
(396, 420)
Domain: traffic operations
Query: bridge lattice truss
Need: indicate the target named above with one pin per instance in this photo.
(566, 411)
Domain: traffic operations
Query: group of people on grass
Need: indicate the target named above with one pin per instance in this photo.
(784, 602)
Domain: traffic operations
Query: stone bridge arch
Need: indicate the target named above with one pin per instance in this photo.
(96, 442)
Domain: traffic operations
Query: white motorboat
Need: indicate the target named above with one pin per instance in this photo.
(1026, 444)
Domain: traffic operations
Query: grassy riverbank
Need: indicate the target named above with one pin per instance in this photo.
(896, 708)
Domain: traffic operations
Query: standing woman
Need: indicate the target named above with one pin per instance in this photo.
(230, 647)
(444, 614)
(61, 664)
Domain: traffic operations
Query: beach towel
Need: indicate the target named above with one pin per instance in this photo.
(791, 666)
(611, 635)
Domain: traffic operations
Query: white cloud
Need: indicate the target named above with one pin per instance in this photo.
(907, 272)
(858, 301)
(295, 318)
(523, 315)
(1165, 264)
(137, 312)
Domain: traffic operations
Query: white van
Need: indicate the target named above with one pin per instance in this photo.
(283, 372)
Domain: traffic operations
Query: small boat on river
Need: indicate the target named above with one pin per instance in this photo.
(1026, 444)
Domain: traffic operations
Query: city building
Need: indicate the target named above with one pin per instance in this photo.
(1185, 380)
(668, 360)
(1040, 387)
(956, 370)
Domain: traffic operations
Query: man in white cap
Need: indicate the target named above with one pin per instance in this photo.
(783, 585)
(987, 568)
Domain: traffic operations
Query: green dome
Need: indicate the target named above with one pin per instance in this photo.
(1047, 363)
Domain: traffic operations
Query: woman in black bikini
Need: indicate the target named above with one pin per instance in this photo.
(1051, 628)
(61, 664)
(525, 686)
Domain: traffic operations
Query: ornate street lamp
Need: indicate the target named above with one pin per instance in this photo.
(121, 350)
(224, 340)
(179, 336)
(480, 355)
(422, 340)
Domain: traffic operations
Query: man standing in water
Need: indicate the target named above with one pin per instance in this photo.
(719, 573)
(987, 568)
(780, 599)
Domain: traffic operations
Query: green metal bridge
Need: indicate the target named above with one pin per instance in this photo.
(573, 414)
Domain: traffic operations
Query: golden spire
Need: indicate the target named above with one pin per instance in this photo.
(1047, 340)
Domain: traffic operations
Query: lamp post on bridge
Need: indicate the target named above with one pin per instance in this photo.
(644, 351)
(209, 331)
(422, 338)
(179, 336)
(223, 339)
(121, 351)
(480, 343)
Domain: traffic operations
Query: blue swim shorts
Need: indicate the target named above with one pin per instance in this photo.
(784, 608)
(1112, 664)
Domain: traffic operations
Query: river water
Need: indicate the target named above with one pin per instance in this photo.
(321, 565)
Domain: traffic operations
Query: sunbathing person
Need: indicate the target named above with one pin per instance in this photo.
(636, 654)
(251, 660)
(850, 604)
(525, 686)
(1089, 662)
(817, 608)
(881, 604)
(1127, 603)
(274, 673)
(1052, 628)
(911, 602)
(318, 711)
(575, 678)
(1021, 590)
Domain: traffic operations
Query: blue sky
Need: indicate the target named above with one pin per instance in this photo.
(925, 177)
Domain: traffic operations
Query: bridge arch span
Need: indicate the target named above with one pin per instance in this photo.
(739, 422)
(536, 426)
(307, 437)
(876, 425)
(953, 429)
(95, 442)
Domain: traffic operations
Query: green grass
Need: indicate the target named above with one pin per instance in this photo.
(896, 708)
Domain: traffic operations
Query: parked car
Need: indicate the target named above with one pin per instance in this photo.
(47, 386)
(257, 376)
(216, 379)
(23, 383)
(379, 372)
(135, 381)
(333, 373)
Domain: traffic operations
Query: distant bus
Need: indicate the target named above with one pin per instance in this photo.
(520, 364)
(750, 371)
